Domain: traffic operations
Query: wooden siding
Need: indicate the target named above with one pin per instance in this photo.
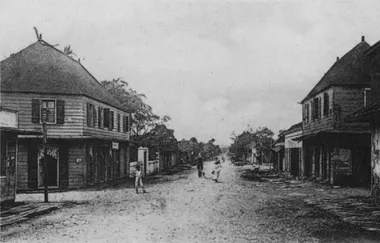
(323, 123)
(22, 103)
(103, 132)
(77, 170)
(75, 121)
(350, 99)
(22, 166)
(375, 157)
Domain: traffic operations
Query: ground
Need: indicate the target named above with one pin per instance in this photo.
(185, 208)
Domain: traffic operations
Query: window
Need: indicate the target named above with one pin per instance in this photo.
(326, 104)
(118, 122)
(100, 117)
(306, 113)
(112, 120)
(106, 116)
(316, 108)
(49, 111)
(367, 96)
(90, 115)
(126, 124)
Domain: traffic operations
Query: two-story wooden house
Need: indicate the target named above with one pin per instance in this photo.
(371, 114)
(87, 129)
(335, 150)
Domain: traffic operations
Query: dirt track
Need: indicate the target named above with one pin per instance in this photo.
(184, 209)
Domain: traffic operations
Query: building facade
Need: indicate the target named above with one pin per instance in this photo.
(87, 130)
(334, 150)
(293, 160)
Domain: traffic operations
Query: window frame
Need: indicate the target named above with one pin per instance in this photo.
(55, 111)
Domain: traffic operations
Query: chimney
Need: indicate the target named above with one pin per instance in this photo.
(337, 58)
(363, 39)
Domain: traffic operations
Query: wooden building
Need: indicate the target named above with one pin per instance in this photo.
(88, 131)
(334, 150)
(279, 152)
(371, 114)
(293, 151)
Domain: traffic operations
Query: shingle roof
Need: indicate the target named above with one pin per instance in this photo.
(295, 127)
(351, 69)
(41, 68)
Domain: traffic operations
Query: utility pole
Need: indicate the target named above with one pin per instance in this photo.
(45, 162)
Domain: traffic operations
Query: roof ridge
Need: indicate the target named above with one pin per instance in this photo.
(342, 60)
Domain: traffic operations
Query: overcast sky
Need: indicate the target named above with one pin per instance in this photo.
(213, 66)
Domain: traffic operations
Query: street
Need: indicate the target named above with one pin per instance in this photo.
(185, 208)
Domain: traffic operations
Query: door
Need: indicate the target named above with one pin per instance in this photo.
(52, 153)
(145, 161)
(294, 161)
(317, 162)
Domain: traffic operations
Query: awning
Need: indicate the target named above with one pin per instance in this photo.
(303, 137)
(19, 131)
(277, 148)
(364, 114)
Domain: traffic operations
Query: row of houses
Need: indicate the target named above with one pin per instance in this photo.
(337, 140)
(88, 131)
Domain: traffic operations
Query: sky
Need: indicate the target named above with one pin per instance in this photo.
(215, 67)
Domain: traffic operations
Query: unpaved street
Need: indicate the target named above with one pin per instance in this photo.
(184, 209)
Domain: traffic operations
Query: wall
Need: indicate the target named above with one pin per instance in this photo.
(375, 156)
(75, 122)
(22, 103)
(103, 132)
(325, 122)
(350, 99)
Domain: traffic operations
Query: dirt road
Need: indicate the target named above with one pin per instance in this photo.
(182, 209)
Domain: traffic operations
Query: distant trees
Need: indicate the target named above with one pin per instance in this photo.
(261, 138)
(192, 148)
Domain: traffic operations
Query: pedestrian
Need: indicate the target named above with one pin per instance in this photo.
(138, 179)
(200, 166)
(217, 170)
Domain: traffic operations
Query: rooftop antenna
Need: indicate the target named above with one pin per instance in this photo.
(39, 36)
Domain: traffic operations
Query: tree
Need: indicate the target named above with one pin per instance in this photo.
(261, 138)
(143, 119)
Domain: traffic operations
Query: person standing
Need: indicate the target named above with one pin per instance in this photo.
(200, 166)
(138, 179)
(217, 170)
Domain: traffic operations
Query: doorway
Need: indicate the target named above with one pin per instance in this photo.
(52, 166)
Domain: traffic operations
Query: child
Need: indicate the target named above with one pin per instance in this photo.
(138, 179)
(200, 167)
(216, 172)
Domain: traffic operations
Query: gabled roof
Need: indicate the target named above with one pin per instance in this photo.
(294, 128)
(41, 68)
(351, 69)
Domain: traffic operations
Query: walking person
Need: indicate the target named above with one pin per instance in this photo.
(217, 170)
(200, 166)
(138, 179)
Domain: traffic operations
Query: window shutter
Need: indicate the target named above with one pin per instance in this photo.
(129, 122)
(312, 110)
(112, 120)
(36, 111)
(118, 122)
(60, 111)
(124, 124)
(88, 114)
(94, 116)
(106, 116)
(99, 117)
(319, 107)
(307, 113)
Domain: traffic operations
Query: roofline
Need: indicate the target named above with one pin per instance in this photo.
(330, 86)
(43, 42)
(54, 93)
